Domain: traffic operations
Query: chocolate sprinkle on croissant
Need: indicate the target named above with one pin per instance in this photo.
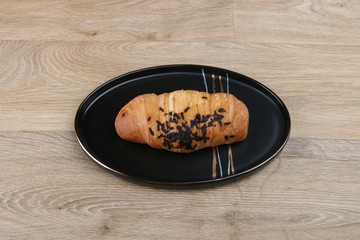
(185, 134)
(151, 131)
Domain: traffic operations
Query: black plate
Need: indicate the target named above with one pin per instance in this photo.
(269, 126)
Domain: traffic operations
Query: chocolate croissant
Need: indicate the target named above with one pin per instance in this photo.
(184, 120)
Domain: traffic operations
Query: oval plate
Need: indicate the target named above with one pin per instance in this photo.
(269, 126)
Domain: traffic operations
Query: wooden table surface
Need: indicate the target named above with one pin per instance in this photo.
(54, 53)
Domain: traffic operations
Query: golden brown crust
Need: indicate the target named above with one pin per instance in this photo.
(183, 120)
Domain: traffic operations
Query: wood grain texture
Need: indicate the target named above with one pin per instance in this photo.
(298, 21)
(114, 20)
(54, 53)
(52, 181)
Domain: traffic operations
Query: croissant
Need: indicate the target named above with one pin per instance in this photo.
(183, 121)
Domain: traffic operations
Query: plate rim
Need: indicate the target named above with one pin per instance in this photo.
(284, 110)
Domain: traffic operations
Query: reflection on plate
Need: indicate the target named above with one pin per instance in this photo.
(269, 126)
